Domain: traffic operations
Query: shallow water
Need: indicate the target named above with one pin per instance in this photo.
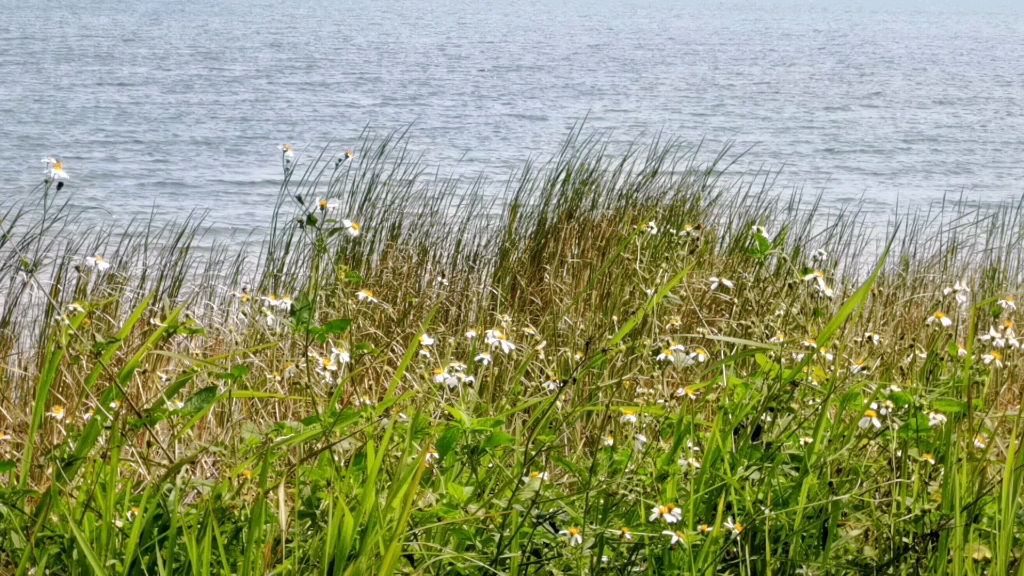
(175, 106)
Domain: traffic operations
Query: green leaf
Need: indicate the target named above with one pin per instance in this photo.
(448, 440)
(949, 406)
(498, 438)
(200, 400)
(339, 326)
(7, 465)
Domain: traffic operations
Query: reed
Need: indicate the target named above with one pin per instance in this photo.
(623, 363)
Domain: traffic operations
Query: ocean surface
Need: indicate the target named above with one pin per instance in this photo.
(178, 106)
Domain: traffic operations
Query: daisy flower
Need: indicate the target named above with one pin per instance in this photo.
(55, 170)
(929, 458)
(628, 417)
(431, 456)
(652, 228)
(960, 291)
(779, 338)
(980, 441)
(286, 152)
(873, 338)
(536, 476)
(688, 392)
(818, 277)
(609, 440)
(471, 334)
(496, 339)
(993, 357)
(806, 440)
(666, 355)
(939, 317)
(736, 527)
(639, 442)
(716, 283)
(352, 228)
(870, 417)
(936, 418)
(667, 512)
(625, 533)
(1007, 304)
(699, 354)
(426, 339)
(365, 295)
(57, 412)
(574, 534)
(675, 537)
(97, 262)
(483, 358)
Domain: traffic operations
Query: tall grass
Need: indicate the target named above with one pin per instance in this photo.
(674, 370)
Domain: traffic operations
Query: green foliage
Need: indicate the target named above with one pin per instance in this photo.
(461, 390)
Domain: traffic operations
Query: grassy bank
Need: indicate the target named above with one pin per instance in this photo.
(629, 363)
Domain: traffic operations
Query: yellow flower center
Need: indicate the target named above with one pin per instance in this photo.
(870, 414)
(57, 165)
(574, 531)
(996, 355)
(939, 315)
(286, 148)
(738, 527)
(355, 225)
(323, 204)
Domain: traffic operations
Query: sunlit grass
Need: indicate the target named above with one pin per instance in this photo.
(626, 364)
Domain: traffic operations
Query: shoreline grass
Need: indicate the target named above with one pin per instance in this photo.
(625, 365)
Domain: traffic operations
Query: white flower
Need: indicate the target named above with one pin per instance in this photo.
(365, 295)
(483, 358)
(652, 228)
(667, 512)
(819, 255)
(809, 343)
(351, 227)
(980, 441)
(471, 334)
(736, 527)
(76, 308)
(628, 417)
(286, 152)
(625, 533)
(676, 537)
(431, 456)
(1007, 304)
(818, 277)
(639, 442)
(666, 355)
(699, 354)
(535, 476)
(326, 204)
(873, 338)
(961, 351)
(993, 357)
(496, 339)
(939, 317)
(994, 336)
(961, 291)
(57, 412)
(5, 437)
(858, 366)
(717, 282)
(55, 170)
(609, 440)
(426, 339)
(340, 355)
(758, 230)
(688, 463)
(870, 417)
(97, 262)
(936, 418)
(779, 338)
(929, 458)
(574, 534)
(364, 401)
(688, 392)
(550, 385)
(806, 440)
(328, 364)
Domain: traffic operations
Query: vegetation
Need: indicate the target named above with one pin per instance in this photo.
(631, 364)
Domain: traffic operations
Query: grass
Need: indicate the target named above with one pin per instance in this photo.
(323, 410)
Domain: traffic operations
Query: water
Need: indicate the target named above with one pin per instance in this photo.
(175, 106)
